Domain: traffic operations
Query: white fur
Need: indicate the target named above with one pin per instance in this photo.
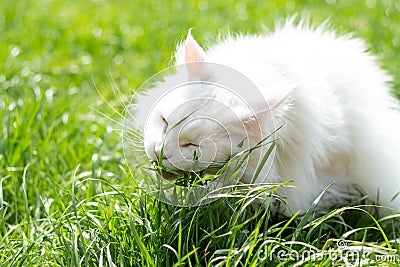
(341, 123)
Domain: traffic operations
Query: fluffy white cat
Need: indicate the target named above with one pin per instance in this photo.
(340, 123)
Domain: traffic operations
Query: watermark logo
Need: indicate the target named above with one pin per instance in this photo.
(193, 129)
(353, 255)
(342, 244)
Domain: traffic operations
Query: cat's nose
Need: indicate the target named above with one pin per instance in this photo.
(158, 152)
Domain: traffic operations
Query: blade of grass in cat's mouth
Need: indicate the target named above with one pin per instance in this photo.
(164, 172)
(183, 178)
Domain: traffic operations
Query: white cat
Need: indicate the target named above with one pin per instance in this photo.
(340, 123)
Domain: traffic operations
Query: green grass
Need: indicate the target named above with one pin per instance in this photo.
(66, 196)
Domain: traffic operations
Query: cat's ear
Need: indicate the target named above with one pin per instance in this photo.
(263, 110)
(195, 58)
(275, 101)
(193, 51)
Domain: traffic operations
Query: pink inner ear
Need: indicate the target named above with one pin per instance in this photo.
(252, 125)
(193, 51)
(193, 55)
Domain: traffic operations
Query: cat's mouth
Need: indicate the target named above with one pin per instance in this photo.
(177, 176)
(166, 173)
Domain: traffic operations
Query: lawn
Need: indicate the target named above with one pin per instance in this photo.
(66, 195)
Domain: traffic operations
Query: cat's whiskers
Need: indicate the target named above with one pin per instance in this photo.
(129, 137)
(122, 99)
(107, 102)
(132, 132)
(108, 117)
(132, 137)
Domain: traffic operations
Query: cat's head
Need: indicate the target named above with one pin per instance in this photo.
(193, 127)
(194, 123)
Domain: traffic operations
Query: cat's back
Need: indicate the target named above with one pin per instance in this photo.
(291, 45)
(306, 53)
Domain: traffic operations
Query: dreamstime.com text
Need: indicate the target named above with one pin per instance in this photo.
(350, 255)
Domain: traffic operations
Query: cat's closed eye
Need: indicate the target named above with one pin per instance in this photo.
(189, 145)
(165, 124)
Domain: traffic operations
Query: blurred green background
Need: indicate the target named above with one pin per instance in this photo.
(74, 40)
(53, 55)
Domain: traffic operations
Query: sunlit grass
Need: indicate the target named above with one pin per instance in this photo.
(66, 196)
